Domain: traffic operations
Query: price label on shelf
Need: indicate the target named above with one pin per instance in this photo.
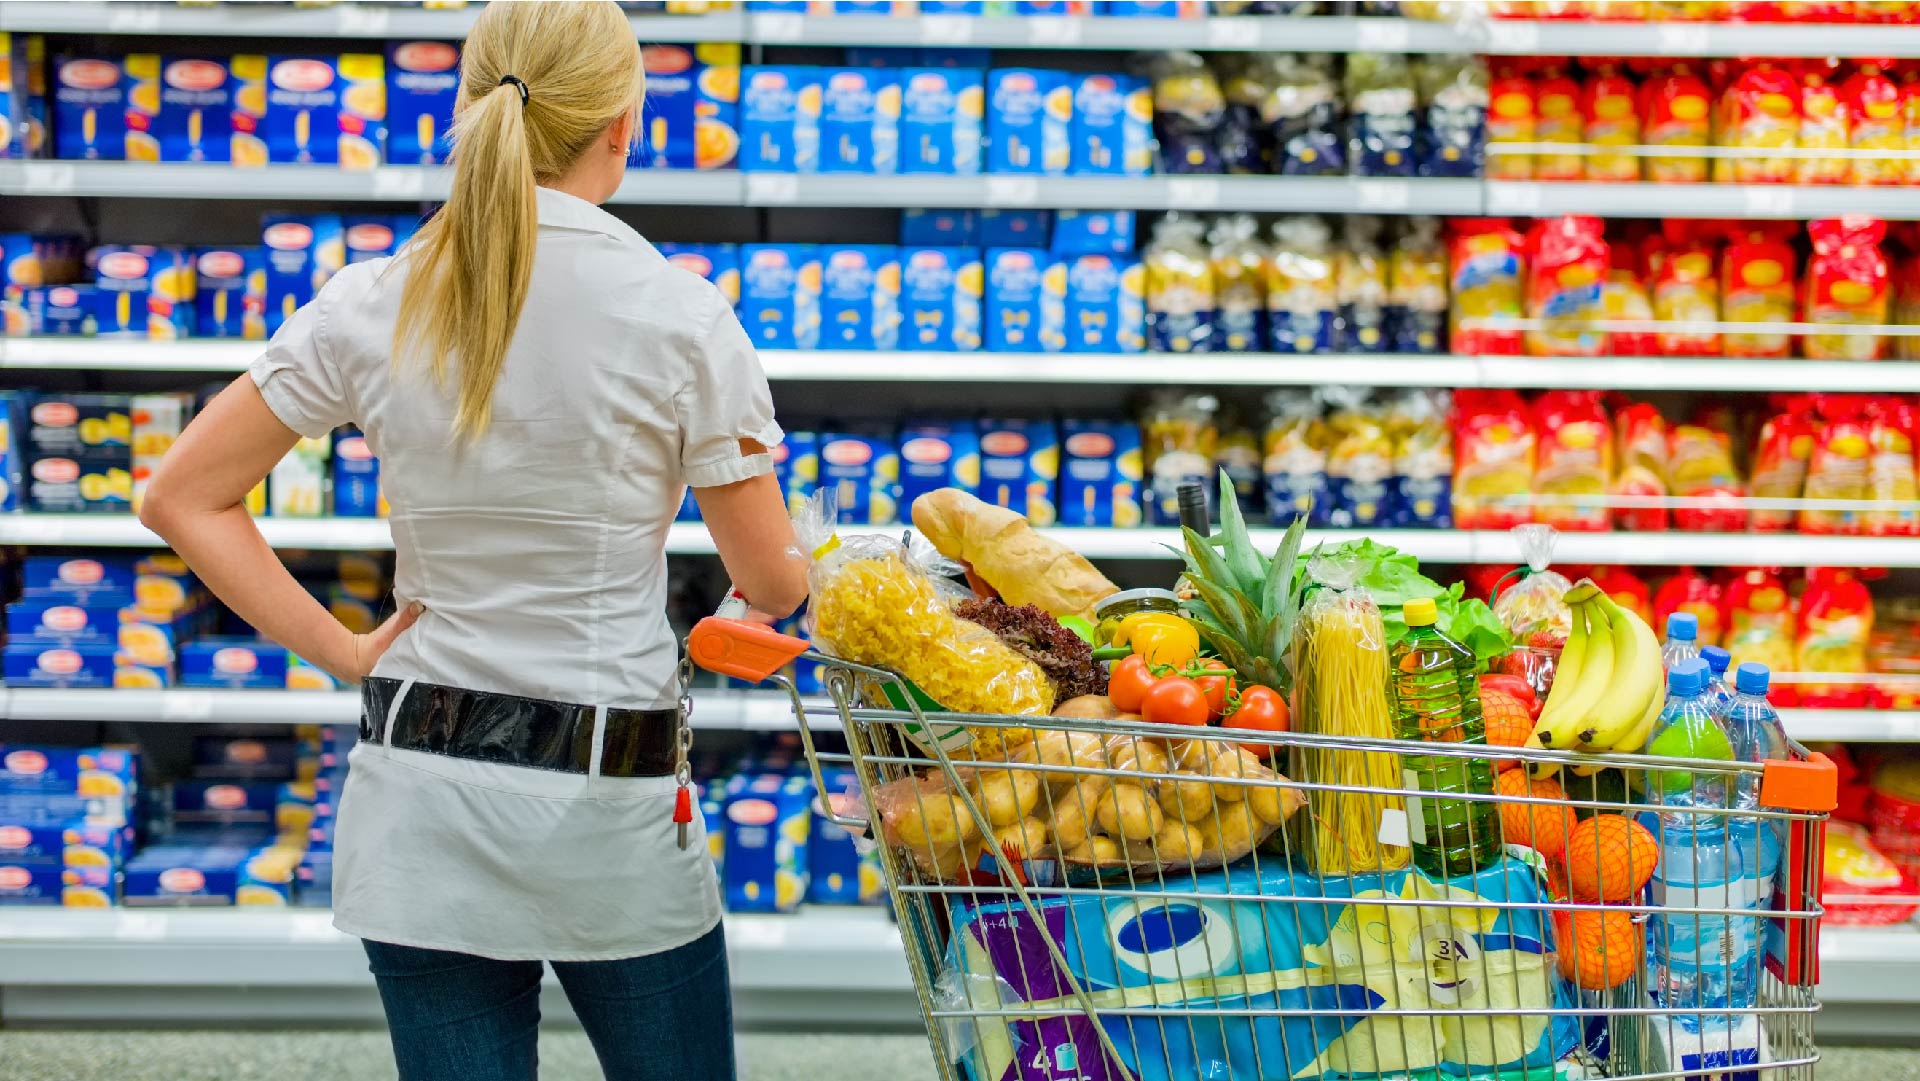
(1382, 36)
(1513, 38)
(1053, 32)
(140, 927)
(186, 705)
(1227, 32)
(776, 29)
(399, 182)
(311, 927)
(46, 178)
(1763, 201)
(1193, 193)
(361, 20)
(1511, 197)
(1385, 195)
(1683, 39)
(29, 529)
(772, 189)
(1013, 190)
(946, 29)
(133, 18)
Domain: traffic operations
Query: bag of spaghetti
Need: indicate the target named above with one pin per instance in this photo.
(878, 602)
(1341, 674)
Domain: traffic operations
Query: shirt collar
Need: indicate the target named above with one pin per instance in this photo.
(563, 211)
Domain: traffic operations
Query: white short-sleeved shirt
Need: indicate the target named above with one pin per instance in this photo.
(539, 554)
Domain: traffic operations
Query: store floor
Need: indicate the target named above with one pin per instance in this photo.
(564, 1056)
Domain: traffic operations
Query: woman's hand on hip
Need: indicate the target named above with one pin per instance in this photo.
(369, 648)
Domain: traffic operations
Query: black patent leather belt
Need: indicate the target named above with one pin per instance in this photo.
(514, 731)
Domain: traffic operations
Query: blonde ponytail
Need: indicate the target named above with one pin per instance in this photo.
(578, 67)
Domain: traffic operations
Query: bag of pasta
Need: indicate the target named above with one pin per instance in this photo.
(878, 602)
(1341, 671)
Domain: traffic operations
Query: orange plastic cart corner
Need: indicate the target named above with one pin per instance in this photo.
(743, 650)
(1813, 785)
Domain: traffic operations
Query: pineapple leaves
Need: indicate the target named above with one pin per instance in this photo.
(1228, 648)
(1233, 611)
(1280, 600)
(1248, 565)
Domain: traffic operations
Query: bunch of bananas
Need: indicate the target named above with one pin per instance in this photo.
(1607, 689)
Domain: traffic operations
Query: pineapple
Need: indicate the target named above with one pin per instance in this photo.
(1243, 604)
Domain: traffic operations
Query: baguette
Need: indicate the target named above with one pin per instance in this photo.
(1006, 553)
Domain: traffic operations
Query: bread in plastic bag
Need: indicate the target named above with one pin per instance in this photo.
(1536, 604)
(877, 602)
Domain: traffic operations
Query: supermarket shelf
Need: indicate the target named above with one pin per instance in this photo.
(350, 20)
(1853, 725)
(1639, 38)
(1742, 201)
(1218, 34)
(1199, 369)
(186, 966)
(125, 531)
(1256, 193)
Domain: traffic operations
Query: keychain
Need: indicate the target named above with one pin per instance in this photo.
(682, 767)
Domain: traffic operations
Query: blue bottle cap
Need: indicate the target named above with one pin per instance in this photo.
(1687, 678)
(1683, 626)
(1751, 678)
(1717, 659)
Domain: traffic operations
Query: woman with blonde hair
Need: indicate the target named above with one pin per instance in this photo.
(541, 387)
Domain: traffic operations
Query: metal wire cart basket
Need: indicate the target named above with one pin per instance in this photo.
(1232, 958)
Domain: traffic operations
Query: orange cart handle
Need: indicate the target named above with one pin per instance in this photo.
(742, 649)
(1813, 785)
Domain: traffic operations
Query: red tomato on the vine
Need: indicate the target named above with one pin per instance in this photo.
(1128, 683)
(1175, 700)
(1218, 689)
(1261, 710)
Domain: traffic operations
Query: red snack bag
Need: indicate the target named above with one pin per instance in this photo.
(1756, 286)
(1487, 266)
(1846, 283)
(1836, 623)
(1780, 459)
(1904, 302)
(1567, 263)
(1690, 591)
(1760, 620)
(1760, 111)
(1627, 589)
(1612, 119)
(1675, 108)
(1642, 455)
(1512, 110)
(1837, 467)
(1890, 469)
(1574, 461)
(1558, 119)
(1700, 466)
(1493, 456)
(1910, 114)
(1879, 124)
(1686, 289)
(1826, 123)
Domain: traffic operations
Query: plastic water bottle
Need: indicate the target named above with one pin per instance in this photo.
(1703, 963)
(1688, 729)
(1757, 735)
(1717, 660)
(1682, 630)
(1439, 702)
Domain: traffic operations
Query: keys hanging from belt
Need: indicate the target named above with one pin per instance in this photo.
(682, 767)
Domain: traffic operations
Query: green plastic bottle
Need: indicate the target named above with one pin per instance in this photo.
(1439, 702)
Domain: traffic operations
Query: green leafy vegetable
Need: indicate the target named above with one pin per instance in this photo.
(1393, 578)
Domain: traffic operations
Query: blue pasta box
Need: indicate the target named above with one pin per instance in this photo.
(13, 96)
(79, 577)
(859, 121)
(780, 295)
(86, 772)
(186, 874)
(10, 478)
(79, 425)
(30, 885)
(233, 662)
(837, 871)
(327, 110)
(780, 119)
(367, 237)
(106, 108)
(935, 455)
(875, 7)
(1093, 232)
(689, 509)
(713, 815)
(21, 270)
(423, 80)
(1112, 126)
(356, 476)
(1106, 304)
(691, 116)
(56, 617)
(859, 296)
(1015, 228)
(303, 251)
(717, 263)
(796, 466)
(941, 113)
(1101, 470)
(769, 825)
(1020, 467)
(939, 228)
(958, 58)
(1154, 9)
(882, 56)
(249, 119)
(230, 293)
(863, 472)
(245, 758)
(63, 310)
(50, 662)
(953, 7)
(196, 109)
(144, 292)
(49, 841)
(1026, 301)
(1029, 113)
(100, 482)
(1054, 7)
(267, 877)
(941, 291)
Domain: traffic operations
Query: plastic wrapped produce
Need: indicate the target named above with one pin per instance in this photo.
(1536, 605)
(875, 602)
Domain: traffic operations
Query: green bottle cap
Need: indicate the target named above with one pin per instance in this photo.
(1419, 612)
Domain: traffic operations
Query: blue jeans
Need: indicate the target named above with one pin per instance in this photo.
(456, 1017)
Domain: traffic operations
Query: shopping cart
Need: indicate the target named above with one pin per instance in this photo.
(1032, 967)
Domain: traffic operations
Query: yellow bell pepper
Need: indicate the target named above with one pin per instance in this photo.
(1160, 638)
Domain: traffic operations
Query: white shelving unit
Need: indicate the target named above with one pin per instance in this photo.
(351, 20)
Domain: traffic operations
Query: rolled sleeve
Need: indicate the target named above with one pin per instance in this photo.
(297, 375)
(726, 400)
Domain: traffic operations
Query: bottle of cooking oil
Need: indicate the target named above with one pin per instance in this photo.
(1439, 702)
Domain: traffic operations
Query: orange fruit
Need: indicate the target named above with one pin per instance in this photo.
(1597, 949)
(1508, 723)
(1610, 857)
(1542, 827)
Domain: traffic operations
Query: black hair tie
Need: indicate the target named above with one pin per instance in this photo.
(517, 85)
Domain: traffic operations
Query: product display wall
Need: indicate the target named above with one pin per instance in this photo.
(1066, 257)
